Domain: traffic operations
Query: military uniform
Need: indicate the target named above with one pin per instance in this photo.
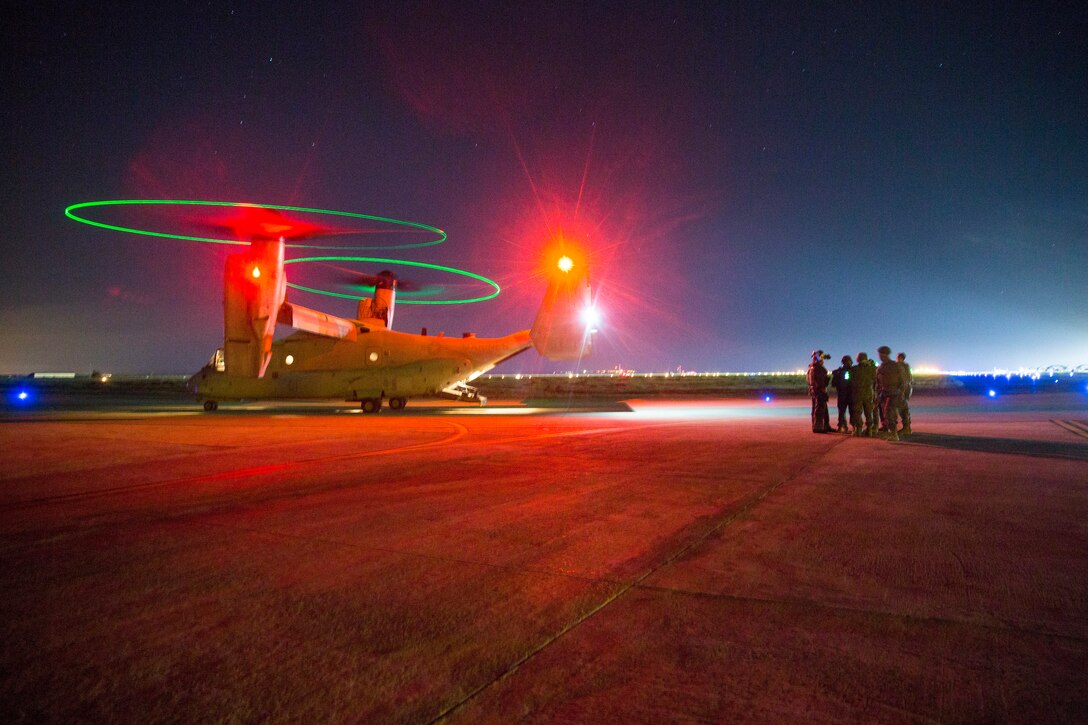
(863, 377)
(889, 381)
(905, 391)
(880, 413)
(840, 381)
(817, 390)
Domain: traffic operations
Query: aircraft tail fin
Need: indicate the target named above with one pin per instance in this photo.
(563, 328)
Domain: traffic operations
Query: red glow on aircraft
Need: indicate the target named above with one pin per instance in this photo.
(255, 222)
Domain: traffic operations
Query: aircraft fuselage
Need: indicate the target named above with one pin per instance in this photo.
(378, 363)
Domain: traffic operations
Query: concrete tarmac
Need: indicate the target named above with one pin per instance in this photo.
(683, 561)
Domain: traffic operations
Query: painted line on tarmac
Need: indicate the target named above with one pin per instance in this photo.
(274, 468)
(460, 431)
(425, 555)
(283, 535)
(1077, 427)
(747, 506)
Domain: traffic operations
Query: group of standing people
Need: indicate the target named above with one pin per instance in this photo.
(874, 398)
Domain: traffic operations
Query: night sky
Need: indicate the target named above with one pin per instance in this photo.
(752, 181)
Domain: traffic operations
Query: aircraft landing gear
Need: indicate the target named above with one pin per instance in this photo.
(210, 405)
(397, 403)
(371, 405)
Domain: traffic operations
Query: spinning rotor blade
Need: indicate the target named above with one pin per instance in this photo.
(382, 279)
(254, 222)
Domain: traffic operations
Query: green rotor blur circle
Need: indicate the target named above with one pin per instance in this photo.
(70, 213)
(405, 262)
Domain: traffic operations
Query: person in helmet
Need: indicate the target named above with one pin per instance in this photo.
(904, 392)
(817, 390)
(863, 378)
(840, 381)
(889, 383)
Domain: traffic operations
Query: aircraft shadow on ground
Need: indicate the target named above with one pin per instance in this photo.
(1007, 446)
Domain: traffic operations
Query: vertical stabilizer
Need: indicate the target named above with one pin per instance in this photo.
(563, 329)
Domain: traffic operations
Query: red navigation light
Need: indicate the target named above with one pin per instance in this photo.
(563, 257)
(256, 273)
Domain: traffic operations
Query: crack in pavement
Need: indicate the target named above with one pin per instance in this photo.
(747, 506)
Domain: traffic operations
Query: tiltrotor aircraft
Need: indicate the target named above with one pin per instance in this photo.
(364, 360)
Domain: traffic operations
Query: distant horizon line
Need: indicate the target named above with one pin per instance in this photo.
(1050, 371)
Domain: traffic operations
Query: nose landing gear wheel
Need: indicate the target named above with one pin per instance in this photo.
(211, 405)
(397, 403)
(372, 405)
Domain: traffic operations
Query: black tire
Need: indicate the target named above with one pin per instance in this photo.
(397, 403)
(371, 405)
(211, 405)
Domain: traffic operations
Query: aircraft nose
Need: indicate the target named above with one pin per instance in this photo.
(193, 383)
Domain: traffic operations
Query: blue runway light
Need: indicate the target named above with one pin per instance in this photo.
(992, 393)
(766, 398)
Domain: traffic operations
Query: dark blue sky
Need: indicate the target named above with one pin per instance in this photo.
(753, 181)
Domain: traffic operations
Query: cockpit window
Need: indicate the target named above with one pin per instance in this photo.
(218, 361)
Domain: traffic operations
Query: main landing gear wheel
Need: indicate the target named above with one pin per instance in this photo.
(211, 405)
(397, 403)
(372, 405)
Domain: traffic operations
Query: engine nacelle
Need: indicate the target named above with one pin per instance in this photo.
(254, 291)
(380, 306)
